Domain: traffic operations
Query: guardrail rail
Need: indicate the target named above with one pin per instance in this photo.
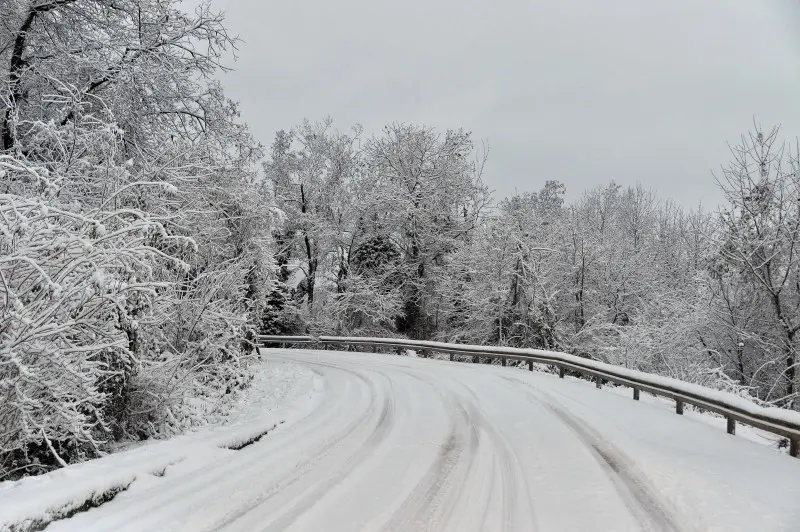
(774, 420)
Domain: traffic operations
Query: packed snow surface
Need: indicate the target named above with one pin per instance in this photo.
(363, 442)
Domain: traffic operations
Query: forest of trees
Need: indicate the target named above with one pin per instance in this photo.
(396, 235)
(146, 238)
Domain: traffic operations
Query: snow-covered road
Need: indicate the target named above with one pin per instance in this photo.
(397, 443)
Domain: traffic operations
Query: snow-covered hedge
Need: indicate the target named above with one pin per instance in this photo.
(72, 281)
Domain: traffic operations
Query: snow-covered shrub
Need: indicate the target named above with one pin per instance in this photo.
(71, 282)
(193, 350)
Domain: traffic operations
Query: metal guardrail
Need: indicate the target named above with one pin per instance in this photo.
(775, 420)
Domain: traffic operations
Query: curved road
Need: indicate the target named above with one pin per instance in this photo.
(408, 444)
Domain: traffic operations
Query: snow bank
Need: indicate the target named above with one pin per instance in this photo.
(280, 393)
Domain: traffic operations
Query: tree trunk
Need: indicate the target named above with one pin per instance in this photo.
(17, 65)
(789, 350)
(581, 317)
(311, 261)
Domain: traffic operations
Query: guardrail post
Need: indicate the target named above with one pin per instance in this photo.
(503, 361)
(530, 365)
(679, 407)
(636, 394)
(561, 371)
(599, 382)
(451, 357)
(794, 447)
(474, 359)
(731, 425)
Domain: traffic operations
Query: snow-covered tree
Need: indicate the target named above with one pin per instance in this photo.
(431, 199)
(311, 173)
(104, 107)
(760, 245)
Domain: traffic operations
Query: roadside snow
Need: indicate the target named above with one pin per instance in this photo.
(281, 392)
(709, 418)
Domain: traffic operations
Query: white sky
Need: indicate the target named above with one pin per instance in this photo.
(581, 91)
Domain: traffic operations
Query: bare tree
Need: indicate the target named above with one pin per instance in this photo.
(761, 234)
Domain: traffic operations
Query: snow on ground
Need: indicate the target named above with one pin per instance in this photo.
(279, 393)
(376, 442)
(710, 418)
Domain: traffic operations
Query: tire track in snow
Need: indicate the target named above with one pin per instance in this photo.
(430, 495)
(435, 497)
(634, 490)
(184, 486)
(505, 462)
(510, 465)
(290, 481)
(307, 501)
(638, 495)
(222, 470)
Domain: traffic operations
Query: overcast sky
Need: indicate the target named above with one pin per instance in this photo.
(582, 91)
